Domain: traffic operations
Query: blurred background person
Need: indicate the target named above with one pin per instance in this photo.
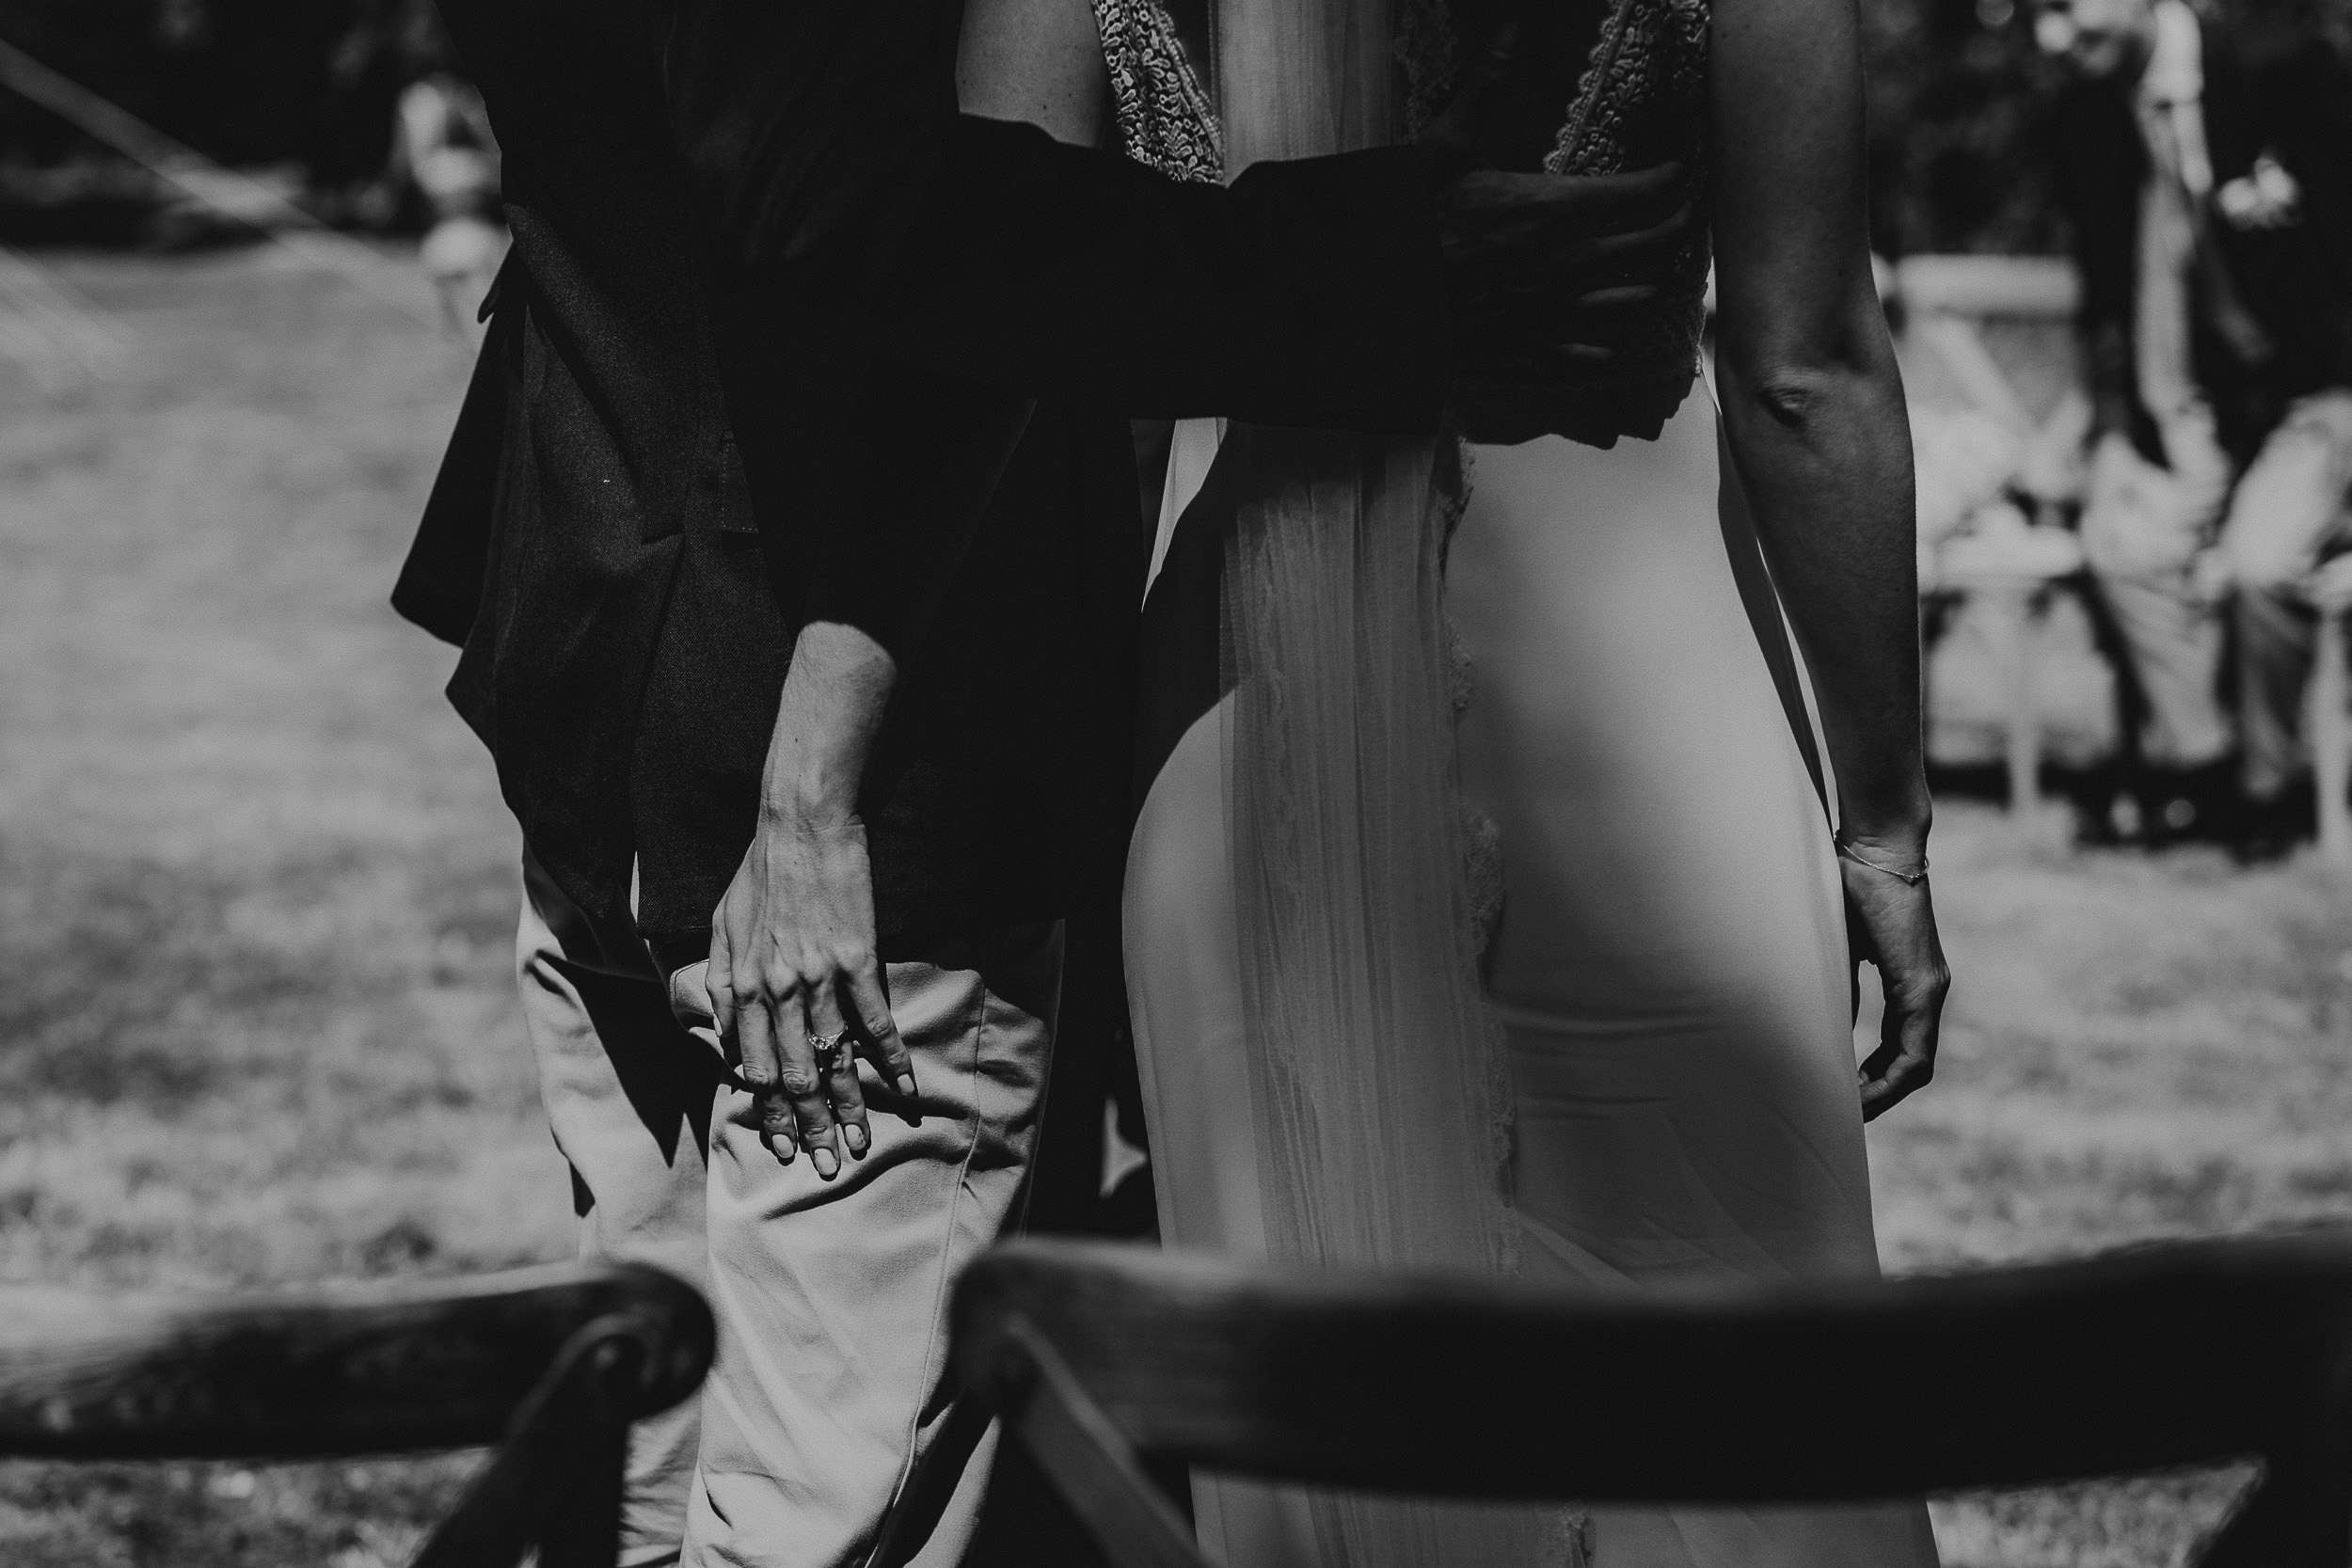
(2202, 166)
(443, 151)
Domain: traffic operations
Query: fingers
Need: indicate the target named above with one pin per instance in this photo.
(1636, 189)
(880, 1037)
(1556, 313)
(1626, 251)
(794, 936)
(839, 1091)
(690, 996)
(1627, 297)
(804, 1100)
(1912, 1027)
(789, 1099)
(1898, 925)
(1500, 205)
(1893, 1072)
(800, 1108)
(719, 981)
(1557, 262)
(1903, 1064)
(761, 1069)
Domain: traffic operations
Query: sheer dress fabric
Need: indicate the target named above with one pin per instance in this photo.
(1313, 896)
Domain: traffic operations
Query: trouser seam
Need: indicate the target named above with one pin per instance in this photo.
(946, 1251)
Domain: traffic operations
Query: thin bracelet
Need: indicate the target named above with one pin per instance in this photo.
(1909, 879)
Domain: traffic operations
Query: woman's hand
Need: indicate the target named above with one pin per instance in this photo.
(1892, 925)
(793, 964)
(795, 979)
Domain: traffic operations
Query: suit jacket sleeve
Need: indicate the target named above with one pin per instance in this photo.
(976, 264)
(824, 145)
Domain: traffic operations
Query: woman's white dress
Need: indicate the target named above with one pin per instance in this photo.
(1669, 976)
(1670, 972)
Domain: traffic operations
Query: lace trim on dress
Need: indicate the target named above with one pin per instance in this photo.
(1164, 118)
(1482, 845)
(1643, 100)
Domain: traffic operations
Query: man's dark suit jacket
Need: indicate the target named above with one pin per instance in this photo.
(763, 352)
(2283, 93)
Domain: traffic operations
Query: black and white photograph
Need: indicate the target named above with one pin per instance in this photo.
(1175, 784)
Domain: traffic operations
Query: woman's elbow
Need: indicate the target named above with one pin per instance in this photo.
(1792, 396)
(1798, 386)
(1794, 361)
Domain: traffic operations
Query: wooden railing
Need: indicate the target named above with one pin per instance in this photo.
(551, 1364)
(1102, 1358)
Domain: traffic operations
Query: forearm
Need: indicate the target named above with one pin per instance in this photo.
(1812, 400)
(1824, 450)
(835, 691)
(795, 979)
(1298, 295)
(828, 161)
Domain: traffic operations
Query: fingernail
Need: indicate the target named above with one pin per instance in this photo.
(906, 1085)
(827, 1166)
(781, 1148)
(855, 1136)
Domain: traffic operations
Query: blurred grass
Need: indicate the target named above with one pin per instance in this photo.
(257, 893)
(256, 885)
(2137, 1048)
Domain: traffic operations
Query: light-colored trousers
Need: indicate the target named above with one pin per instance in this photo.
(831, 1297)
(2143, 530)
(2292, 508)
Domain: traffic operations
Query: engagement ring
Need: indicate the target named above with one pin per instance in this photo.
(827, 1045)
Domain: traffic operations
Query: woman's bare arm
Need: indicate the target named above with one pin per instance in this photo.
(1814, 408)
(1811, 396)
(792, 943)
(1039, 61)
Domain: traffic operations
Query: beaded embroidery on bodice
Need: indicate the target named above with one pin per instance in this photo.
(1163, 114)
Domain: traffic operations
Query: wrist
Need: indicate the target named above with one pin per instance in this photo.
(1909, 867)
(1901, 833)
(834, 695)
(809, 798)
(808, 819)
